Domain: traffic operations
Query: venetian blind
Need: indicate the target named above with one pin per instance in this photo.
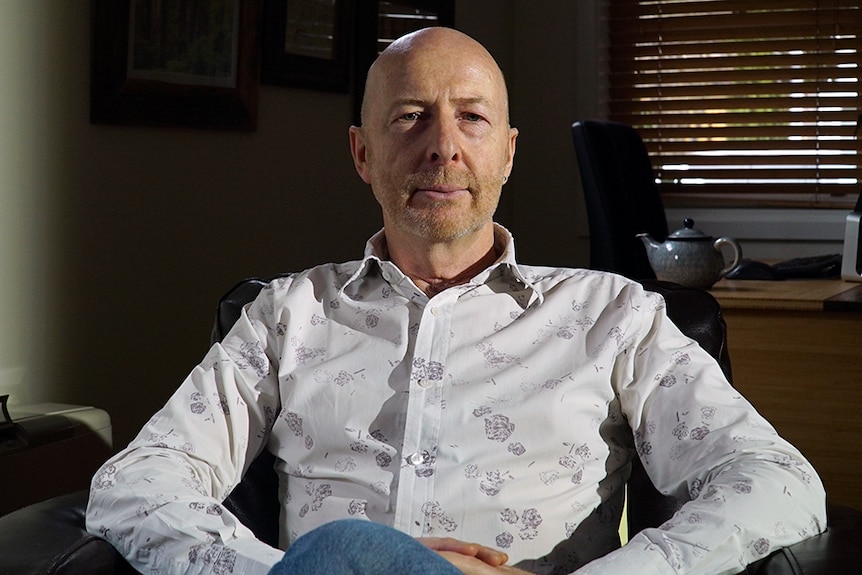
(741, 98)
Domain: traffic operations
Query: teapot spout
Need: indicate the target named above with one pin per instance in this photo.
(649, 242)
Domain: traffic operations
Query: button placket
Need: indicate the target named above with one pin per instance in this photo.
(423, 420)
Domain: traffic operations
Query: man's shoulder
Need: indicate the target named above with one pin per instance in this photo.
(545, 277)
(331, 274)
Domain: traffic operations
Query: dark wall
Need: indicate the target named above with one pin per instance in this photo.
(127, 236)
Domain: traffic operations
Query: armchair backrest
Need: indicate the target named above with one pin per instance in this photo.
(694, 311)
(621, 196)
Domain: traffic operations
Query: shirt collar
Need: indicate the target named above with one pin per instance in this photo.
(377, 255)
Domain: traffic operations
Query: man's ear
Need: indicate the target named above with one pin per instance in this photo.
(510, 157)
(359, 151)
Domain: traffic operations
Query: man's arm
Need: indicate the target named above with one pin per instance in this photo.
(751, 491)
(159, 500)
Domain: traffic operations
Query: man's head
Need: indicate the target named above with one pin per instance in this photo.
(435, 143)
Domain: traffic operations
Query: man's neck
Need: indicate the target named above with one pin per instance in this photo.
(435, 266)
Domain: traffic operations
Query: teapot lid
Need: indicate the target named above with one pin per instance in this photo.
(688, 233)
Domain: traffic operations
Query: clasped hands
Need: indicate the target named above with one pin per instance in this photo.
(471, 558)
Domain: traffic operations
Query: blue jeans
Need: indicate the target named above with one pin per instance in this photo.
(355, 547)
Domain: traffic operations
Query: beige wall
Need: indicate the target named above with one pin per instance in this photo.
(115, 242)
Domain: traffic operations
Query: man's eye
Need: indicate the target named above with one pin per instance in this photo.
(471, 117)
(411, 116)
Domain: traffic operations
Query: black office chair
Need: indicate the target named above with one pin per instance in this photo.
(621, 196)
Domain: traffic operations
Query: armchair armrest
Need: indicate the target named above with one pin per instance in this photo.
(833, 552)
(49, 538)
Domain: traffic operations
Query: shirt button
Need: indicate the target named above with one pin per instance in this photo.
(425, 383)
(436, 311)
(418, 458)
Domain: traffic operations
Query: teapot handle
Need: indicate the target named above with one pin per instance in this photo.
(737, 252)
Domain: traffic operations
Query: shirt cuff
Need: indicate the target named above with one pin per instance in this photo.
(630, 558)
(254, 557)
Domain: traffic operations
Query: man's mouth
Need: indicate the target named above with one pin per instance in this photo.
(439, 184)
(441, 188)
(440, 192)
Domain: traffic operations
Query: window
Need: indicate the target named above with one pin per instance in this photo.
(742, 101)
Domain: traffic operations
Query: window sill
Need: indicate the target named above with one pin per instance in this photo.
(758, 201)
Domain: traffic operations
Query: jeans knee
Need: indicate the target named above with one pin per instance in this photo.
(360, 547)
(360, 534)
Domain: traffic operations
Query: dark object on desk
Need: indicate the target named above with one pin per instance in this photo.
(12, 436)
(753, 270)
(824, 266)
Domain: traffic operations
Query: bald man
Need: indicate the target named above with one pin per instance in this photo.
(437, 407)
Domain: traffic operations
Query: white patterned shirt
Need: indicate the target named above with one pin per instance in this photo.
(504, 411)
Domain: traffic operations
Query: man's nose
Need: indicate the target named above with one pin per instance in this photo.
(444, 144)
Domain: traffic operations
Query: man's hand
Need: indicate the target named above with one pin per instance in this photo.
(474, 566)
(471, 558)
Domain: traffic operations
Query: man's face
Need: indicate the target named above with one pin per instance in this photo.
(435, 144)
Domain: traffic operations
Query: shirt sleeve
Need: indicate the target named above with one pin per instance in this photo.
(159, 500)
(750, 491)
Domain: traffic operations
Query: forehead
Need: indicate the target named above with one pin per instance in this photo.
(432, 75)
(468, 83)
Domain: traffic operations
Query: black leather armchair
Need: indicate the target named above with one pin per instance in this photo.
(49, 538)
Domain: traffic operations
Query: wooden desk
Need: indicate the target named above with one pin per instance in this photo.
(796, 354)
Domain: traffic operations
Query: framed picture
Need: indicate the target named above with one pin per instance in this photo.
(190, 63)
(307, 43)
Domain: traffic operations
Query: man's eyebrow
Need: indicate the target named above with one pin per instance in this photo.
(420, 102)
(407, 102)
(471, 100)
